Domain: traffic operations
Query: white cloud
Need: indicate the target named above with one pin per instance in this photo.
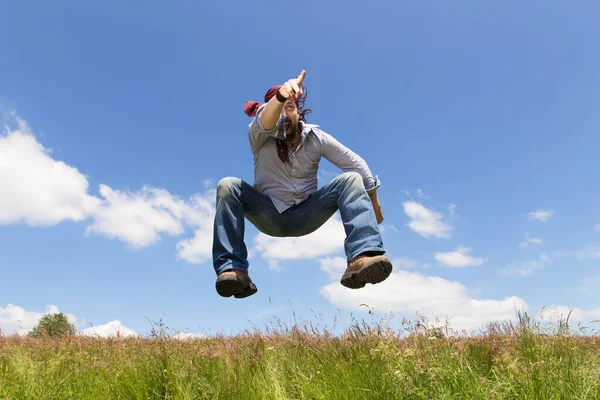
(403, 263)
(189, 336)
(433, 297)
(200, 214)
(139, 218)
(556, 313)
(197, 249)
(541, 215)
(136, 218)
(459, 258)
(425, 222)
(328, 239)
(334, 266)
(16, 320)
(42, 191)
(36, 188)
(528, 267)
(530, 240)
(111, 329)
(420, 194)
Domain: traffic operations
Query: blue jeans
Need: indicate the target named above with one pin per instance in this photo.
(237, 200)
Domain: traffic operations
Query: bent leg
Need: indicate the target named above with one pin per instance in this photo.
(346, 193)
(358, 216)
(235, 200)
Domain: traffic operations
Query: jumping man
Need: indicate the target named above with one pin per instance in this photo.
(284, 200)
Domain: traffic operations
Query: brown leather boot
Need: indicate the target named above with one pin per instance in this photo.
(235, 283)
(366, 268)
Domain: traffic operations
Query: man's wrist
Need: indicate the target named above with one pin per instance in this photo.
(280, 98)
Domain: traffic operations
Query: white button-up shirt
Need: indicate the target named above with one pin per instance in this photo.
(295, 180)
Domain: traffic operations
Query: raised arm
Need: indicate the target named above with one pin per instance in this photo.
(272, 111)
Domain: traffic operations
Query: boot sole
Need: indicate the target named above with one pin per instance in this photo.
(236, 288)
(373, 273)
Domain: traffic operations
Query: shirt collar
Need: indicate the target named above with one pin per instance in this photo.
(306, 128)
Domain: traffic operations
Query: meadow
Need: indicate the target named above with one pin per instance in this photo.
(520, 360)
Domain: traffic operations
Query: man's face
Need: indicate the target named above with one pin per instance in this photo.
(290, 122)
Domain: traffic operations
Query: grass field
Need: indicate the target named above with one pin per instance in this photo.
(367, 361)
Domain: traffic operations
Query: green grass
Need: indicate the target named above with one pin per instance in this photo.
(525, 361)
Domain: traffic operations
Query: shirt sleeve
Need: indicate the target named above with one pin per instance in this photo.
(258, 135)
(348, 161)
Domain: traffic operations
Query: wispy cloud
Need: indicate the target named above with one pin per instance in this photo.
(528, 267)
(459, 258)
(334, 266)
(589, 285)
(274, 265)
(529, 240)
(541, 215)
(589, 253)
(426, 222)
(403, 263)
(383, 228)
(451, 208)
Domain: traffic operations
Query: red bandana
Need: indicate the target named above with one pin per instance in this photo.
(282, 150)
(251, 107)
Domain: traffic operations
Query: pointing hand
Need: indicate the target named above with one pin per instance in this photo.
(292, 89)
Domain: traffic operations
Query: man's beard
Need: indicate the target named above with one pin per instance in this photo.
(293, 131)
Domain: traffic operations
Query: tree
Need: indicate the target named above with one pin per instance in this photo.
(54, 325)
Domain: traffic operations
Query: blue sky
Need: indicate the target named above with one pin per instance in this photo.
(480, 118)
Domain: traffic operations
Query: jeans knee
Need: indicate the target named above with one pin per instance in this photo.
(228, 186)
(353, 178)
